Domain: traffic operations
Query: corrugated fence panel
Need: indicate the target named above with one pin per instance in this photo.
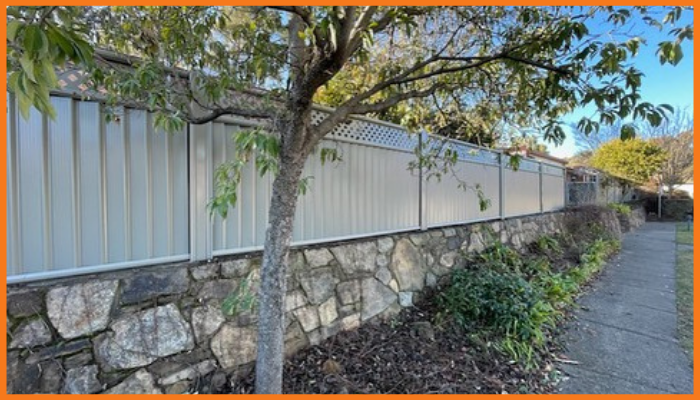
(245, 226)
(448, 203)
(31, 193)
(552, 188)
(85, 194)
(90, 194)
(522, 192)
(369, 192)
(62, 188)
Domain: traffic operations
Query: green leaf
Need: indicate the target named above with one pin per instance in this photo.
(13, 81)
(514, 161)
(25, 103)
(49, 74)
(633, 46)
(329, 154)
(57, 37)
(670, 52)
(35, 42)
(28, 67)
(13, 28)
(628, 132)
(667, 107)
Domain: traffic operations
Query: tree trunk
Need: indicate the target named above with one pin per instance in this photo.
(273, 286)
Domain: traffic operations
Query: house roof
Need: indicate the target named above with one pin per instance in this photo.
(524, 151)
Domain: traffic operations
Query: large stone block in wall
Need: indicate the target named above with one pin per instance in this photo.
(318, 284)
(407, 266)
(81, 309)
(141, 382)
(24, 304)
(318, 257)
(234, 346)
(206, 320)
(82, 380)
(139, 339)
(145, 286)
(236, 268)
(375, 298)
(328, 312)
(356, 259)
(349, 292)
(31, 333)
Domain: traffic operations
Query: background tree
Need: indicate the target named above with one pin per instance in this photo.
(636, 160)
(675, 136)
(589, 142)
(677, 168)
(679, 122)
(580, 159)
(532, 65)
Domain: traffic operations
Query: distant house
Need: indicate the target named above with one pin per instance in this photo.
(534, 155)
(582, 174)
(685, 188)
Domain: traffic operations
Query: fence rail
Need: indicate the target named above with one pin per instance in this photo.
(86, 196)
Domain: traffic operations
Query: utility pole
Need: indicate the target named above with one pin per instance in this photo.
(661, 191)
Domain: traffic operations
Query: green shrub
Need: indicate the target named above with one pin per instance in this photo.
(548, 244)
(505, 304)
(559, 289)
(516, 301)
(503, 301)
(592, 260)
(500, 256)
(621, 208)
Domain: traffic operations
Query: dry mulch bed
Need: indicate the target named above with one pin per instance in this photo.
(405, 355)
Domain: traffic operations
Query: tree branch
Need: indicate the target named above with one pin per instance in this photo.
(538, 64)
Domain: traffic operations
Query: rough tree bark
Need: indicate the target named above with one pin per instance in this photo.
(273, 285)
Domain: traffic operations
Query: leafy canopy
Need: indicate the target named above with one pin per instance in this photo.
(636, 160)
(472, 68)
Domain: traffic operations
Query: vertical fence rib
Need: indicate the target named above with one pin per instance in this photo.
(502, 185)
(541, 187)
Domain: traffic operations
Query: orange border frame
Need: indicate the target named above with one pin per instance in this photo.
(3, 145)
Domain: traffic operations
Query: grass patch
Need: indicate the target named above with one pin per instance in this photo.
(683, 234)
(684, 288)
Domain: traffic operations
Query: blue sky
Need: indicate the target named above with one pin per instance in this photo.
(661, 84)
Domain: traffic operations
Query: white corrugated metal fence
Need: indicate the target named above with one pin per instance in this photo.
(86, 196)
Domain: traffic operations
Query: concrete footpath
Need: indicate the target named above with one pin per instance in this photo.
(624, 337)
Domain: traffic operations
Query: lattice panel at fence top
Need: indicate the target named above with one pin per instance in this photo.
(358, 130)
(465, 151)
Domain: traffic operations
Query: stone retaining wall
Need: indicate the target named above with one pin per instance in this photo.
(161, 329)
(634, 220)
